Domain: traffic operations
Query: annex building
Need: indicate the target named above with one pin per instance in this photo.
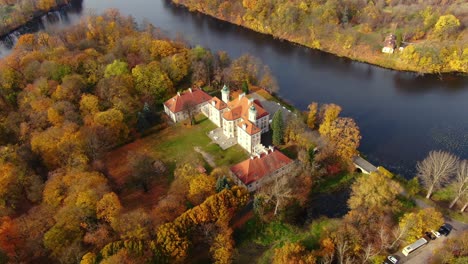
(261, 169)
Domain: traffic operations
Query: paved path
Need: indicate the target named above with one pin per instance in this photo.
(207, 157)
(424, 254)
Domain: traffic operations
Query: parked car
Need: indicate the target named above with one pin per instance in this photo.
(445, 229)
(391, 260)
(429, 236)
(435, 233)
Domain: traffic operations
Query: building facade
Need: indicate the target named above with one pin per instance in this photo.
(179, 107)
(261, 169)
(243, 118)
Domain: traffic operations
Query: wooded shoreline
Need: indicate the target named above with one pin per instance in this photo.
(355, 53)
(4, 32)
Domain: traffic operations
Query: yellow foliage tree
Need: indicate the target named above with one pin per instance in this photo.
(416, 223)
(293, 253)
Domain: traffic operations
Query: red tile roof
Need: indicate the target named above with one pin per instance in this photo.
(240, 108)
(252, 170)
(196, 97)
(250, 128)
(219, 104)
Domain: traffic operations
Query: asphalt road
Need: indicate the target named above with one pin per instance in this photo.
(423, 255)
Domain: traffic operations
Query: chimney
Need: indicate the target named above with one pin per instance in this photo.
(190, 90)
(251, 100)
(271, 148)
(178, 93)
(241, 95)
(251, 157)
(258, 155)
(213, 103)
(265, 151)
(244, 126)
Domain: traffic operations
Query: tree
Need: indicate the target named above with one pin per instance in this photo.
(454, 250)
(344, 136)
(222, 183)
(461, 182)
(416, 223)
(142, 168)
(293, 253)
(276, 193)
(245, 87)
(201, 187)
(152, 81)
(446, 25)
(374, 191)
(328, 114)
(278, 128)
(312, 116)
(189, 107)
(435, 170)
(116, 68)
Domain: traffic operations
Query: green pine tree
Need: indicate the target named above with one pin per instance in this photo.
(245, 87)
(222, 183)
(278, 128)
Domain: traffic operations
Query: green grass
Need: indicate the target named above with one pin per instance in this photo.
(268, 237)
(334, 183)
(176, 144)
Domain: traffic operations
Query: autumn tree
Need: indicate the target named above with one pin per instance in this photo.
(344, 135)
(116, 68)
(312, 115)
(278, 128)
(374, 191)
(454, 250)
(461, 182)
(423, 220)
(143, 169)
(436, 169)
(446, 25)
(277, 194)
(293, 253)
(328, 114)
(201, 187)
(190, 109)
(151, 81)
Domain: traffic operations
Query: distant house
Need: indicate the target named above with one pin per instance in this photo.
(261, 169)
(389, 44)
(178, 106)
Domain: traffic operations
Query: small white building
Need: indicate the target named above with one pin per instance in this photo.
(261, 169)
(177, 107)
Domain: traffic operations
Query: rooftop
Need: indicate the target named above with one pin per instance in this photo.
(250, 128)
(191, 96)
(257, 167)
(240, 108)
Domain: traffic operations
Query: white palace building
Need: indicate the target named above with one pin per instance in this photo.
(241, 118)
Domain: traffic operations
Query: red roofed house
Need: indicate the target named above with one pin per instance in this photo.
(261, 169)
(242, 117)
(191, 100)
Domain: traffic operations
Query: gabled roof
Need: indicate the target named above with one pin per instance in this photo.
(256, 168)
(240, 108)
(250, 128)
(218, 104)
(191, 96)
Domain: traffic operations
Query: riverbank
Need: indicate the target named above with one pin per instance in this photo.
(27, 17)
(424, 56)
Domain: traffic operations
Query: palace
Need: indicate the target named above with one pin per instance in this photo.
(241, 118)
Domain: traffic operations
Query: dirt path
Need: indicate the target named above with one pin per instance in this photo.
(208, 158)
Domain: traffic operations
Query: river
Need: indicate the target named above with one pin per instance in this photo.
(402, 116)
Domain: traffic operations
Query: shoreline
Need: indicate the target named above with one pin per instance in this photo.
(350, 57)
(37, 15)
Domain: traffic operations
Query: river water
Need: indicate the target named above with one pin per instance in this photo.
(402, 116)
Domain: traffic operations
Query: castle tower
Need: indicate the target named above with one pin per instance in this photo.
(225, 94)
(252, 113)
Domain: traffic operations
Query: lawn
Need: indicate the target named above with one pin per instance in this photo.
(334, 183)
(175, 144)
(258, 241)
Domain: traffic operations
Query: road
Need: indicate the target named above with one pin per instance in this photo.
(424, 254)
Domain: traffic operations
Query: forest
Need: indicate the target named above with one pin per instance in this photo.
(15, 13)
(71, 101)
(434, 33)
